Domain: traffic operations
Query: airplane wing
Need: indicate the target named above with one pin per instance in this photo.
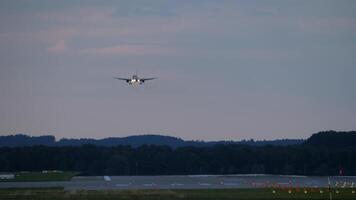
(123, 79)
(147, 79)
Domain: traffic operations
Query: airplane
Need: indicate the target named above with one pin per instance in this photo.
(135, 80)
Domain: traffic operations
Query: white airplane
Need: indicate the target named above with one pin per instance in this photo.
(135, 80)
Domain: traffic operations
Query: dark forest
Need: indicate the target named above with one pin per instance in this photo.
(321, 154)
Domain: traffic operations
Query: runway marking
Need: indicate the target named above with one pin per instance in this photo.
(204, 184)
(149, 184)
(229, 183)
(177, 184)
(123, 185)
(284, 183)
(259, 183)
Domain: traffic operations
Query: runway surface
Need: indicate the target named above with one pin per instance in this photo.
(189, 182)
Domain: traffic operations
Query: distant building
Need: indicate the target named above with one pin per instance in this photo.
(107, 178)
(7, 176)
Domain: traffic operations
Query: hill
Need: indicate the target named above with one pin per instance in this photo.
(333, 139)
(134, 141)
(25, 140)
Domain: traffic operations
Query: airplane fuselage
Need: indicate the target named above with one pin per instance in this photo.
(135, 81)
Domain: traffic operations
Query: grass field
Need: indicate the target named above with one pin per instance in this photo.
(39, 176)
(216, 194)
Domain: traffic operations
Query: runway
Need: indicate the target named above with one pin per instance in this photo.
(190, 182)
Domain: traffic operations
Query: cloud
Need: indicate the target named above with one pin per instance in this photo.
(266, 54)
(129, 50)
(59, 47)
(97, 26)
(87, 29)
(75, 15)
(328, 24)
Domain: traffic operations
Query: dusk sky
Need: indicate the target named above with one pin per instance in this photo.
(228, 70)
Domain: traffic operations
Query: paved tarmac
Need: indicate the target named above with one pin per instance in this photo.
(190, 182)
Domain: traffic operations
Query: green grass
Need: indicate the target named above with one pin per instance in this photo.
(39, 176)
(216, 194)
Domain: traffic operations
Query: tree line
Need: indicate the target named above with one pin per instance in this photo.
(20, 140)
(164, 160)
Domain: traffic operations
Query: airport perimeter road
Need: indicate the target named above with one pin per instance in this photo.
(189, 182)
